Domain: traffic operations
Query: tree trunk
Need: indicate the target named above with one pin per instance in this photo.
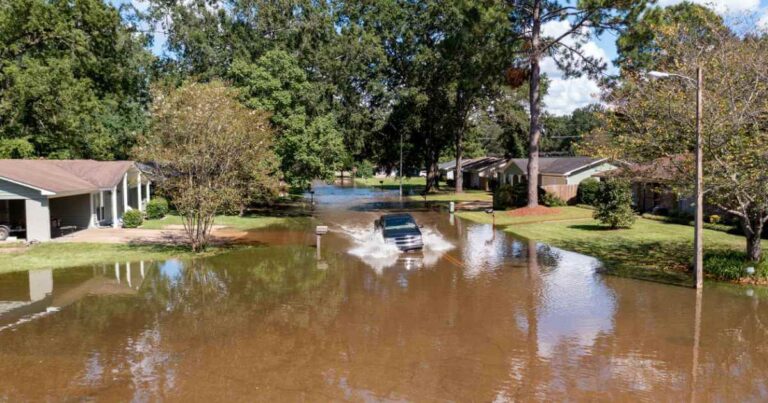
(754, 237)
(458, 177)
(535, 105)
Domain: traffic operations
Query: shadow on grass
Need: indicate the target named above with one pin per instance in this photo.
(592, 227)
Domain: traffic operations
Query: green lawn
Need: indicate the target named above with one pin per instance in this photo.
(392, 183)
(416, 185)
(650, 250)
(58, 255)
(503, 218)
(245, 223)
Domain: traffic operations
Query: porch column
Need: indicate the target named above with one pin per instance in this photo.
(101, 206)
(147, 192)
(125, 192)
(91, 202)
(114, 207)
(138, 191)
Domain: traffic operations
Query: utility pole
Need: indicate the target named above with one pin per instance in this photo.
(400, 172)
(699, 224)
(698, 228)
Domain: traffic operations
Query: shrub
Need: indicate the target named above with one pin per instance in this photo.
(552, 200)
(714, 219)
(614, 204)
(504, 197)
(588, 190)
(132, 219)
(157, 208)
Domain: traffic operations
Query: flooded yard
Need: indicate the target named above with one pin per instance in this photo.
(476, 316)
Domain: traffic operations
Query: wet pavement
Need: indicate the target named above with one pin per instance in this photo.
(476, 316)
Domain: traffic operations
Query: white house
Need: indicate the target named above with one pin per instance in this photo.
(40, 198)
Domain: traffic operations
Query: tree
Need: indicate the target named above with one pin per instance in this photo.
(211, 152)
(584, 18)
(308, 142)
(655, 119)
(73, 80)
(613, 204)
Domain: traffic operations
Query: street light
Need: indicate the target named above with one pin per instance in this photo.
(698, 243)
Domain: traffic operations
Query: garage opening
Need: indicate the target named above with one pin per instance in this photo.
(13, 220)
(69, 214)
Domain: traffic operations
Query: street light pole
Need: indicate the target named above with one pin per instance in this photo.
(699, 224)
(698, 242)
(400, 172)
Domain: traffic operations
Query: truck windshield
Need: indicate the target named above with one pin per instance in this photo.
(399, 223)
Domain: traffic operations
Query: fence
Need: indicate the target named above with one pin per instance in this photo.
(568, 193)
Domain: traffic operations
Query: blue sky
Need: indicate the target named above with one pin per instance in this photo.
(567, 94)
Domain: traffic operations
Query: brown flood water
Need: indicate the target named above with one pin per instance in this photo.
(491, 319)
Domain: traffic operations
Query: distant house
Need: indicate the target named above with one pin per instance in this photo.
(40, 199)
(652, 190)
(447, 170)
(557, 175)
(481, 173)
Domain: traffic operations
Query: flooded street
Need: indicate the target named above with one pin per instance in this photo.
(476, 316)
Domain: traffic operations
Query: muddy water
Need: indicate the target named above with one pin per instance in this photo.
(486, 318)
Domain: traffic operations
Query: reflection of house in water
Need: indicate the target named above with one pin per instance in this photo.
(28, 295)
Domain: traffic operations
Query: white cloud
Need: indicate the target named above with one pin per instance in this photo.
(566, 94)
(720, 6)
(762, 23)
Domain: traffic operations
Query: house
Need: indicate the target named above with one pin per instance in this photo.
(652, 190)
(447, 170)
(558, 175)
(43, 198)
(481, 173)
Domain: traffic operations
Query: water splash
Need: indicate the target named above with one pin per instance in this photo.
(369, 245)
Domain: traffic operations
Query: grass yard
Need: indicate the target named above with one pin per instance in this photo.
(504, 218)
(650, 250)
(54, 255)
(416, 185)
(392, 183)
(251, 222)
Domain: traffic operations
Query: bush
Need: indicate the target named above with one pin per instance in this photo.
(588, 190)
(614, 204)
(365, 169)
(157, 208)
(714, 219)
(503, 197)
(132, 219)
(552, 200)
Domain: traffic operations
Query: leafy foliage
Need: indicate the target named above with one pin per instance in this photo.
(589, 190)
(654, 120)
(211, 153)
(73, 80)
(132, 219)
(157, 208)
(613, 206)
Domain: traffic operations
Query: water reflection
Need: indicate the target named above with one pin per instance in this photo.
(493, 319)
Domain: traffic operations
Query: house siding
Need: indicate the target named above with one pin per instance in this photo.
(13, 191)
(577, 177)
(38, 220)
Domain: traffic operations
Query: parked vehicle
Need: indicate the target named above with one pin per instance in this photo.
(400, 230)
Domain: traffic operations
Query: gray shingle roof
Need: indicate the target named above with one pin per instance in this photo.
(65, 176)
(558, 165)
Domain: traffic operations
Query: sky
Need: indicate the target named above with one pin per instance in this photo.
(567, 94)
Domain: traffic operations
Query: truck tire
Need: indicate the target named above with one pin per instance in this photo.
(5, 232)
